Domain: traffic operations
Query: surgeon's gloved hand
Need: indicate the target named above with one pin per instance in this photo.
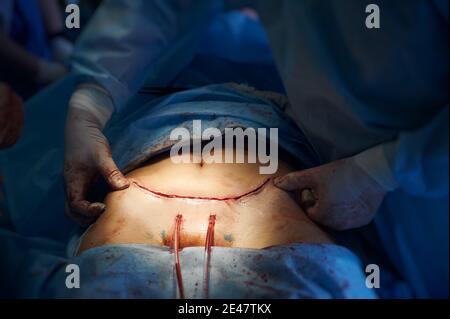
(87, 152)
(342, 194)
(11, 116)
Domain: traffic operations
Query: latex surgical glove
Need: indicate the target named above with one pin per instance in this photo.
(87, 152)
(342, 194)
(62, 49)
(48, 72)
(11, 116)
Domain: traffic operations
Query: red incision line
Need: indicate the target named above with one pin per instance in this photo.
(256, 189)
(208, 243)
(176, 247)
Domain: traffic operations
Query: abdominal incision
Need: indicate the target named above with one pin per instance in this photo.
(168, 237)
(255, 190)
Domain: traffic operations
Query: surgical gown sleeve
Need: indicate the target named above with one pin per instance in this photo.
(128, 41)
(417, 161)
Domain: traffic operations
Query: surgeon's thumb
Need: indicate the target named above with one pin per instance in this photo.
(110, 171)
(304, 183)
(295, 181)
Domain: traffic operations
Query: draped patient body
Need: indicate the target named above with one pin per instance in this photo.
(250, 212)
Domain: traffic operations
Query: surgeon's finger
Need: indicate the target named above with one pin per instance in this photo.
(308, 198)
(110, 171)
(296, 181)
(77, 212)
(78, 218)
(77, 180)
(86, 208)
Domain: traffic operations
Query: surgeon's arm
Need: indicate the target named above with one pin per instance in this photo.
(17, 63)
(417, 161)
(128, 41)
(346, 193)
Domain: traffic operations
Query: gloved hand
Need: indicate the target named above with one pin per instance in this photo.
(11, 116)
(340, 195)
(87, 152)
(48, 72)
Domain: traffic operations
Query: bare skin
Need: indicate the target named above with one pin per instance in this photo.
(250, 211)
